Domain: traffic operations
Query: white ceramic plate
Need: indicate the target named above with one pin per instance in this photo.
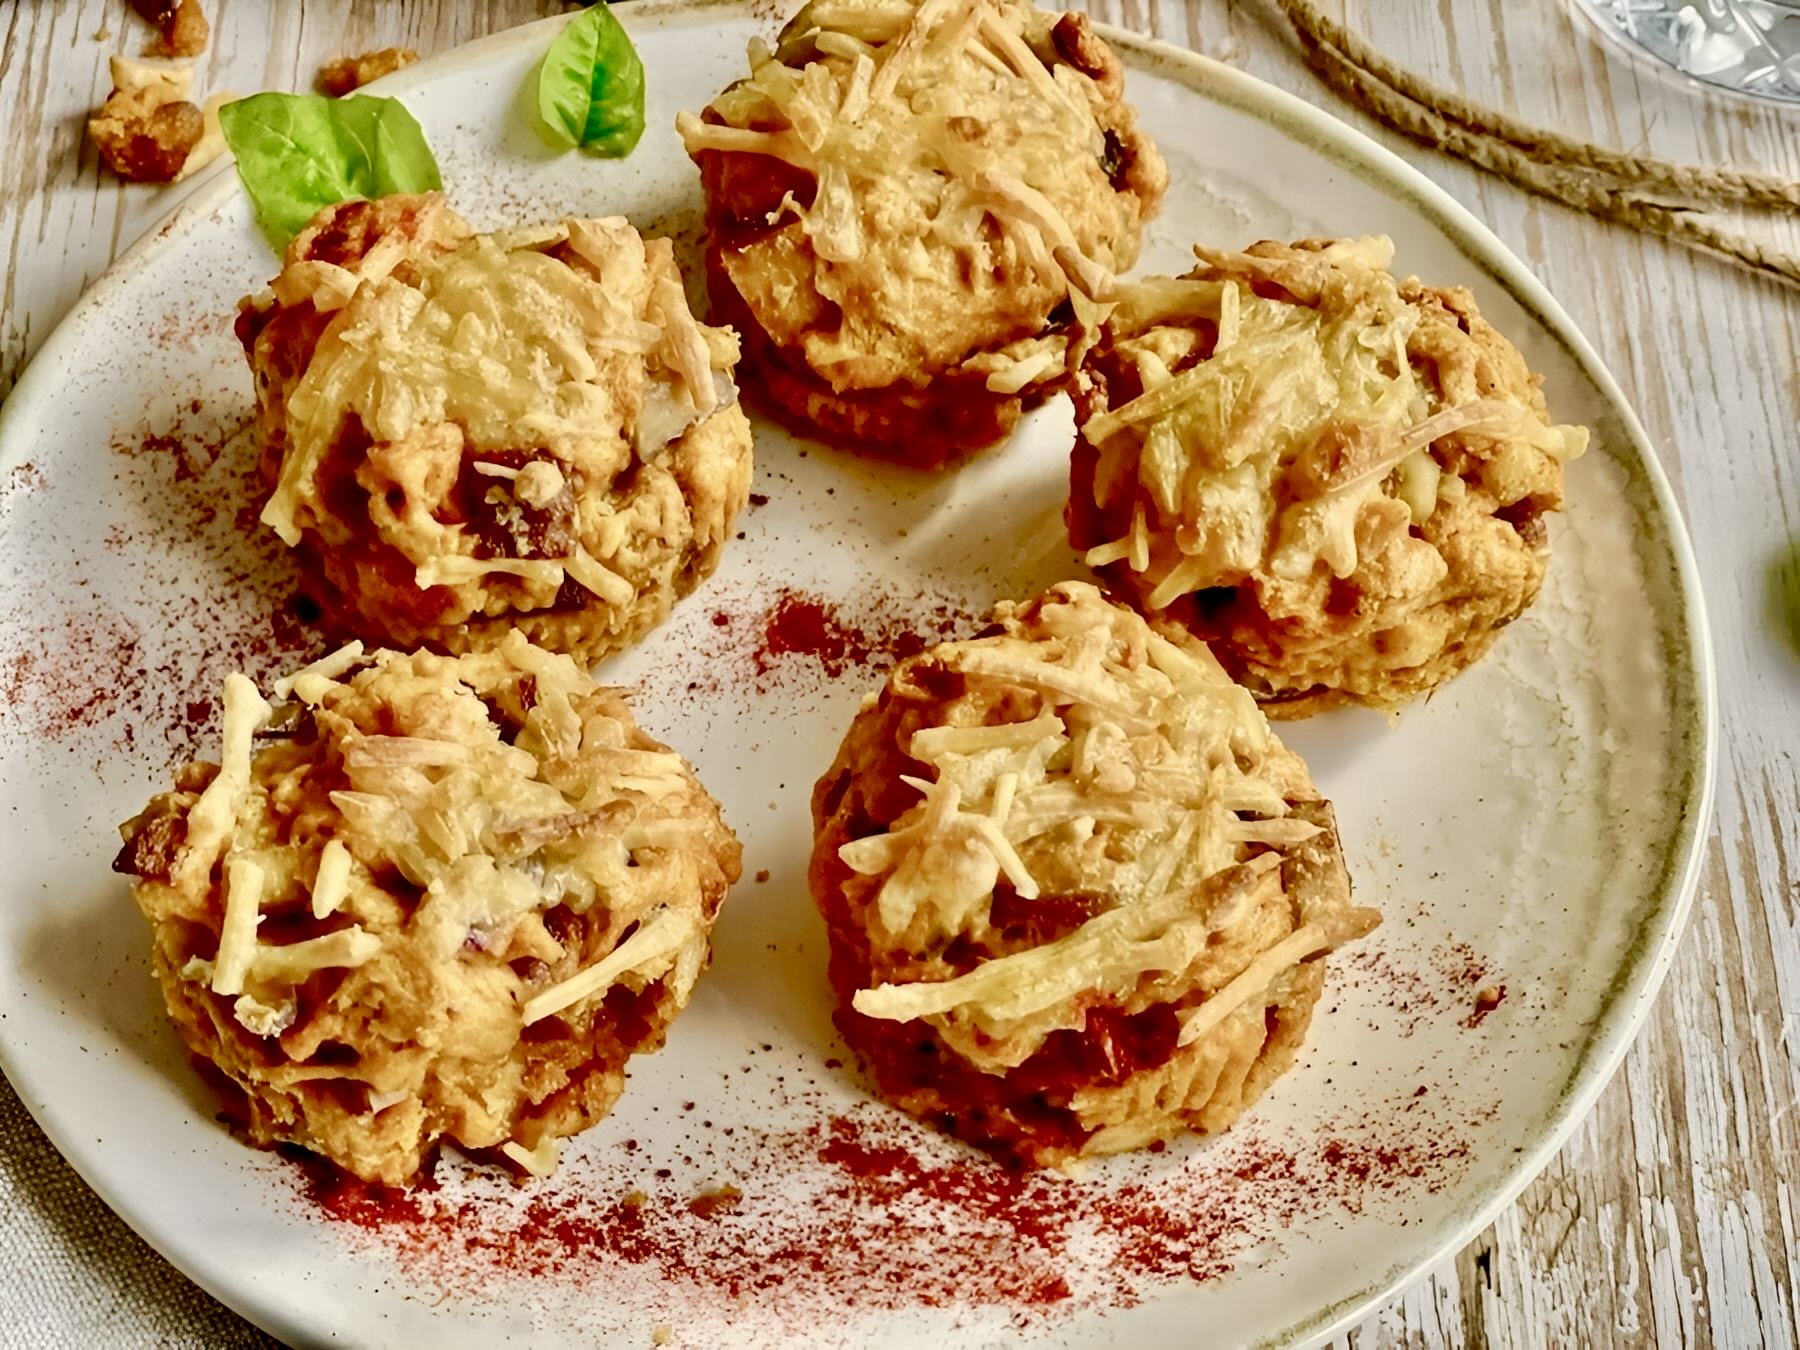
(1534, 828)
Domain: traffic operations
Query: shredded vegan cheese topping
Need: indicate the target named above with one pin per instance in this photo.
(540, 1161)
(1088, 754)
(475, 844)
(214, 816)
(472, 820)
(506, 401)
(1266, 424)
(958, 161)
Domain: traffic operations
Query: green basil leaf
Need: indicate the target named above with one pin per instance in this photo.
(591, 86)
(299, 153)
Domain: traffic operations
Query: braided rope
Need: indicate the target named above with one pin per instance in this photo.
(1603, 183)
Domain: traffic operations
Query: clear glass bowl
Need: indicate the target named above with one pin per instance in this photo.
(1746, 48)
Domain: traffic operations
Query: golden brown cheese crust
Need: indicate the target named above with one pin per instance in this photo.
(1153, 804)
(897, 199)
(467, 433)
(502, 826)
(1288, 499)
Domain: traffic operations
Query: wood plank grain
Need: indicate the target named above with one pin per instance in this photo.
(1669, 1217)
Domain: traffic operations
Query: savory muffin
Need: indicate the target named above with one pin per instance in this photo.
(905, 205)
(1338, 478)
(469, 433)
(443, 898)
(1076, 892)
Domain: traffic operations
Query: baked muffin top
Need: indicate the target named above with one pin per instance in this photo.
(476, 407)
(465, 847)
(1349, 449)
(909, 186)
(1074, 810)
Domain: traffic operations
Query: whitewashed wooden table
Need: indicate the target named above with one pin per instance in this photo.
(1669, 1217)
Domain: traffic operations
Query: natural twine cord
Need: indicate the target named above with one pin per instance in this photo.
(1607, 184)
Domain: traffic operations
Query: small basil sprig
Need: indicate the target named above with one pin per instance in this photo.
(299, 153)
(591, 86)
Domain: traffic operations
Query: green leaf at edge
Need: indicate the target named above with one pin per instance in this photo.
(299, 153)
(591, 86)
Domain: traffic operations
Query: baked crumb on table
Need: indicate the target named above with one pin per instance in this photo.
(149, 130)
(347, 74)
(182, 29)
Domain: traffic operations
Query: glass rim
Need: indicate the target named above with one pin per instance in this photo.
(1592, 11)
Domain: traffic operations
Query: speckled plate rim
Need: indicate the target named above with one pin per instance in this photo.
(1688, 649)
